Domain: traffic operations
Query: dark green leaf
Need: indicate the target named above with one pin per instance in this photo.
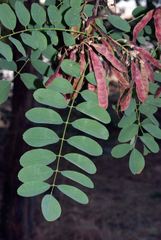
(28, 40)
(85, 144)
(81, 161)
(74, 193)
(18, 45)
(91, 127)
(88, 95)
(29, 80)
(69, 39)
(79, 178)
(51, 208)
(50, 98)
(121, 150)
(94, 111)
(119, 23)
(72, 17)
(31, 189)
(40, 136)
(43, 115)
(131, 107)
(157, 76)
(127, 133)
(150, 143)
(127, 120)
(91, 78)
(38, 14)
(71, 68)
(35, 173)
(53, 36)
(6, 51)
(54, 15)
(136, 162)
(22, 13)
(61, 85)
(5, 87)
(40, 40)
(7, 16)
(155, 131)
(37, 156)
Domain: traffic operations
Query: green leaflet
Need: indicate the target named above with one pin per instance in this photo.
(91, 127)
(91, 78)
(55, 16)
(154, 101)
(49, 52)
(72, 17)
(74, 193)
(18, 45)
(131, 107)
(151, 119)
(89, 96)
(22, 13)
(40, 66)
(5, 87)
(81, 161)
(51, 208)
(38, 14)
(40, 136)
(127, 120)
(32, 188)
(157, 76)
(121, 150)
(61, 85)
(73, 4)
(53, 37)
(40, 40)
(69, 39)
(136, 162)
(35, 172)
(150, 143)
(6, 51)
(155, 131)
(71, 68)
(37, 156)
(7, 16)
(50, 98)
(36, 40)
(147, 109)
(119, 23)
(86, 144)
(78, 177)
(43, 115)
(127, 133)
(29, 80)
(5, 65)
(94, 111)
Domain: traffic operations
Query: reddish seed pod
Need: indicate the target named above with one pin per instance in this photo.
(100, 48)
(125, 100)
(157, 23)
(120, 77)
(100, 75)
(144, 76)
(137, 77)
(91, 87)
(141, 24)
(145, 55)
(149, 71)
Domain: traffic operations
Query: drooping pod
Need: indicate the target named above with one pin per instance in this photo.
(103, 50)
(122, 80)
(141, 88)
(145, 55)
(125, 100)
(100, 76)
(157, 23)
(141, 24)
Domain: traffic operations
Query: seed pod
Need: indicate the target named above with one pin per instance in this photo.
(76, 85)
(125, 100)
(137, 77)
(157, 23)
(141, 24)
(144, 76)
(120, 77)
(100, 76)
(100, 48)
(149, 71)
(145, 55)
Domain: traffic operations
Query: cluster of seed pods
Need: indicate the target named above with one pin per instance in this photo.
(132, 67)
